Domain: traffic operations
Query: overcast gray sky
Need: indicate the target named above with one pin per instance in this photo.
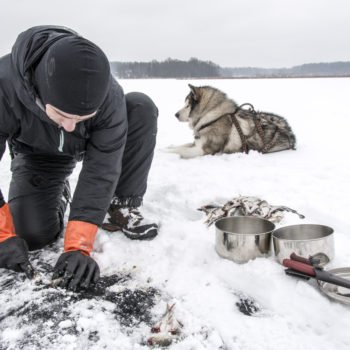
(231, 33)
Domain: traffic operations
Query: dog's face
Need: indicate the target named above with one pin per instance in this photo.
(190, 102)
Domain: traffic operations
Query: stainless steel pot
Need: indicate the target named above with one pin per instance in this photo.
(241, 238)
(304, 240)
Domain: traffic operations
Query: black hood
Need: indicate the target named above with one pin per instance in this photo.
(73, 76)
(27, 51)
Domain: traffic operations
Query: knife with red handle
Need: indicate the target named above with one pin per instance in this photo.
(316, 272)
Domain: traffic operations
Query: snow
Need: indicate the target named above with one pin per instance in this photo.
(181, 261)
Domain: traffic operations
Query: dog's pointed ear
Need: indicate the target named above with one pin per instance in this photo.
(195, 91)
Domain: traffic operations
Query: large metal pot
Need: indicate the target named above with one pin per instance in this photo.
(304, 240)
(241, 238)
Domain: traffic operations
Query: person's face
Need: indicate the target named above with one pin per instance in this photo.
(65, 120)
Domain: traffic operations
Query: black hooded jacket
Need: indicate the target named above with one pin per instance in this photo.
(99, 141)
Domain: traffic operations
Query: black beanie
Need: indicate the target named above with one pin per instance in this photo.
(73, 76)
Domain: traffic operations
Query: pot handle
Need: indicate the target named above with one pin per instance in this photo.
(299, 266)
(295, 257)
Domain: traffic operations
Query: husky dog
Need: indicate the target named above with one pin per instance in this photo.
(222, 126)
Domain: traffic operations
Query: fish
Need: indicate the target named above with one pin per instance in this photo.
(246, 206)
(167, 329)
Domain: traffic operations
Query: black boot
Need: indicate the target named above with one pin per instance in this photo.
(130, 221)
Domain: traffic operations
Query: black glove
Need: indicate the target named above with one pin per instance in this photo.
(14, 256)
(76, 269)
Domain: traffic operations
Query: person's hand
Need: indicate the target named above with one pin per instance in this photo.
(76, 270)
(14, 256)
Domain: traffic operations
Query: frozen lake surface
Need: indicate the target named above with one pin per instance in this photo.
(181, 263)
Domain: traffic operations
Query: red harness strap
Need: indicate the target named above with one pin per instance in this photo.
(240, 132)
(267, 145)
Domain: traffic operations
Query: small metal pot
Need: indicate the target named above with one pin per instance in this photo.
(241, 238)
(304, 240)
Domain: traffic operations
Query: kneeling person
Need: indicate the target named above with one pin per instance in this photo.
(60, 104)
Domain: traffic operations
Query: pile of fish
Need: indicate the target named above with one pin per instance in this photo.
(246, 206)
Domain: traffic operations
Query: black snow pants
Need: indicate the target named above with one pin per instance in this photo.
(36, 189)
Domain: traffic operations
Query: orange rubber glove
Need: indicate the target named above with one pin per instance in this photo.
(80, 235)
(13, 249)
(7, 229)
(75, 267)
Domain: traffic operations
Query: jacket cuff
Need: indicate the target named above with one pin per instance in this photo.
(132, 201)
(7, 228)
(2, 202)
(80, 236)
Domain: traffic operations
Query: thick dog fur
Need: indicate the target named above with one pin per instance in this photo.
(208, 112)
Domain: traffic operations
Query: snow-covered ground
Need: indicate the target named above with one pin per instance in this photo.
(182, 263)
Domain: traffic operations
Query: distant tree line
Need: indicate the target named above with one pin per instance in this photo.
(169, 68)
(311, 69)
(194, 68)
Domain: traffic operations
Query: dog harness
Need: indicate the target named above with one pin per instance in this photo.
(244, 138)
(257, 122)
